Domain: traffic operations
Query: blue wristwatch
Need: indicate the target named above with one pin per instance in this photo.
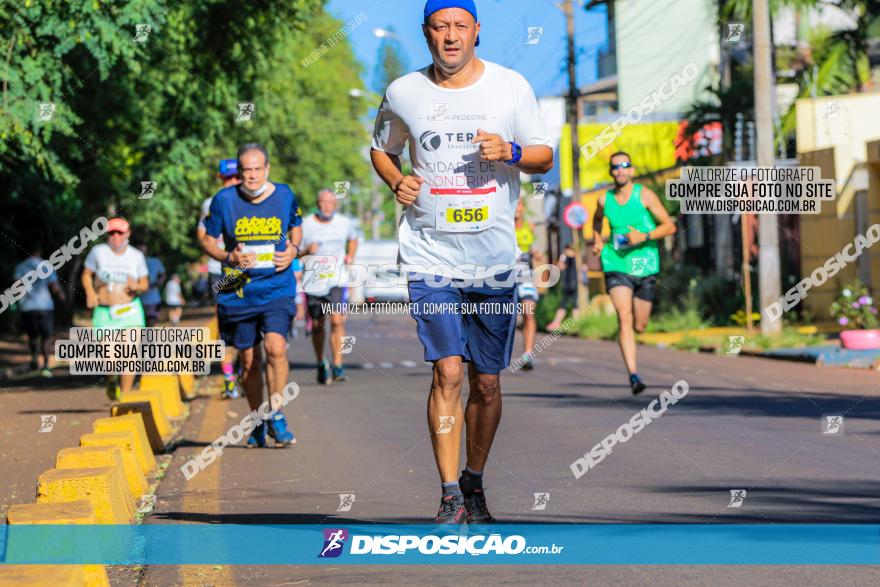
(516, 152)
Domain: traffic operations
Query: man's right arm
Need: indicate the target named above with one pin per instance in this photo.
(87, 280)
(598, 218)
(212, 222)
(387, 166)
(405, 187)
(212, 249)
(389, 138)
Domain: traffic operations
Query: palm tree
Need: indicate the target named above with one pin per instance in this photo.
(837, 63)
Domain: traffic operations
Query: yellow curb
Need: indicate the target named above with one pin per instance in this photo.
(91, 457)
(168, 387)
(55, 575)
(213, 328)
(670, 338)
(163, 427)
(145, 410)
(72, 512)
(134, 478)
(135, 424)
(187, 386)
(101, 485)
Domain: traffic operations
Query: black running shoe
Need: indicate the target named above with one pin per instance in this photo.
(324, 373)
(452, 510)
(636, 384)
(477, 511)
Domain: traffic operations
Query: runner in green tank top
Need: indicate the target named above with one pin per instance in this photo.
(631, 259)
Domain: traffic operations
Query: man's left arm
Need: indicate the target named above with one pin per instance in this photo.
(57, 291)
(535, 158)
(352, 249)
(665, 225)
(141, 281)
(530, 132)
(138, 286)
(352, 245)
(284, 258)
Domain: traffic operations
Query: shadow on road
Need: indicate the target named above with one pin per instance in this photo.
(61, 381)
(725, 401)
(65, 411)
(278, 519)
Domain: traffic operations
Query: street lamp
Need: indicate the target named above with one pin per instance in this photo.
(383, 33)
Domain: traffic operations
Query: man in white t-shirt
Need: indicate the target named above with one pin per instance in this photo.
(115, 275)
(330, 239)
(472, 126)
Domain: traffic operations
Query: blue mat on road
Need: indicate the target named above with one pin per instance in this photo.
(354, 543)
(826, 355)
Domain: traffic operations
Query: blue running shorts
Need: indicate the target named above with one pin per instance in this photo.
(476, 322)
(243, 326)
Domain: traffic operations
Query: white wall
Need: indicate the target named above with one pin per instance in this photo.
(657, 38)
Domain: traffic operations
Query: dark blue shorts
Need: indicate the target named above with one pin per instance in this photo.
(476, 322)
(243, 326)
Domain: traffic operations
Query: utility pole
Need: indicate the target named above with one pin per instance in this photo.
(572, 103)
(744, 220)
(768, 230)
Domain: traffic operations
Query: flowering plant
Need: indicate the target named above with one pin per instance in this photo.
(854, 307)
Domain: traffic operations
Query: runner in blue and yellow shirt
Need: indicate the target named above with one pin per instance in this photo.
(260, 225)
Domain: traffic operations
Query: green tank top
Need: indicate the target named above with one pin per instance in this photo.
(640, 260)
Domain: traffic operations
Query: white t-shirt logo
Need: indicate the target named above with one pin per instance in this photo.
(430, 140)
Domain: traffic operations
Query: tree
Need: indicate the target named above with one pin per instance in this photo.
(164, 109)
(839, 60)
(391, 63)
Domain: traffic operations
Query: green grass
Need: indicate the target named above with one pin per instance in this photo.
(689, 343)
(789, 339)
(676, 320)
(604, 327)
(601, 326)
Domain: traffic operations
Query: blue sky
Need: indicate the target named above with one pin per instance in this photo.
(502, 39)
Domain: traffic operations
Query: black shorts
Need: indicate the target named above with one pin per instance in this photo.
(643, 287)
(151, 313)
(38, 323)
(244, 327)
(569, 298)
(317, 304)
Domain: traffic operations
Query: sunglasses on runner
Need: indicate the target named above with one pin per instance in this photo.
(112, 232)
(624, 165)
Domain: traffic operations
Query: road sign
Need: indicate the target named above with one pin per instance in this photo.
(575, 215)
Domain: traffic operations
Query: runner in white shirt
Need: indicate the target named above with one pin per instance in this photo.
(174, 299)
(331, 238)
(115, 274)
(472, 126)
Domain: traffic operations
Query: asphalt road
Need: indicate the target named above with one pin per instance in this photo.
(746, 423)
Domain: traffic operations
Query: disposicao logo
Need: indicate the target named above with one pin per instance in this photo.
(334, 540)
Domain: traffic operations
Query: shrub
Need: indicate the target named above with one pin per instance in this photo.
(854, 306)
(596, 325)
